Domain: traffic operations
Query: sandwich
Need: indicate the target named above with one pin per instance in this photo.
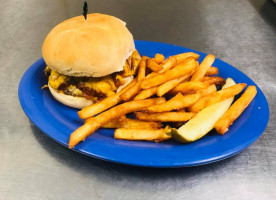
(89, 59)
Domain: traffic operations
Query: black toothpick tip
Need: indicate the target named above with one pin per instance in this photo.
(85, 10)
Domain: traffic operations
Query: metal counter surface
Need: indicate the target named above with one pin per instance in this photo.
(32, 166)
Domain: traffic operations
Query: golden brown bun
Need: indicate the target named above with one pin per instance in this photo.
(94, 47)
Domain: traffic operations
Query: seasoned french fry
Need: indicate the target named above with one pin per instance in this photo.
(176, 72)
(212, 88)
(203, 67)
(94, 123)
(159, 58)
(132, 123)
(216, 97)
(177, 102)
(235, 110)
(213, 80)
(167, 86)
(212, 71)
(132, 91)
(145, 57)
(189, 87)
(181, 57)
(179, 116)
(105, 104)
(144, 94)
(168, 64)
(153, 66)
(142, 70)
(141, 134)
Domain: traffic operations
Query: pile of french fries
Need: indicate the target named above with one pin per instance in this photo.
(171, 90)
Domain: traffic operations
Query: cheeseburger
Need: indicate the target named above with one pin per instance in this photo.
(88, 60)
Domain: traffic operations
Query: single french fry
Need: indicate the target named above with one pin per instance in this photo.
(144, 94)
(222, 125)
(212, 88)
(178, 116)
(177, 102)
(189, 87)
(153, 66)
(213, 80)
(94, 123)
(132, 123)
(159, 58)
(212, 71)
(181, 57)
(167, 86)
(203, 67)
(132, 91)
(176, 72)
(216, 97)
(152, 74)
(105, 104)
(142, 70)
(141, 134)
(168, 64)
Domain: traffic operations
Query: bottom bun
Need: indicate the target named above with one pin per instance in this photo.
(75, 102)
(80, 102)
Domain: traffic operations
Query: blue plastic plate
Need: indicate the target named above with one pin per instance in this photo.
(58, 121)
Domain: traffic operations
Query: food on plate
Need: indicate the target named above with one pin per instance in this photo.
(189, 87)
(177, 102)
(186, 85)
(94, 123)
(183, 56)
(141, 134)
(212, 71)
(204, 121)
(153, 66)
(179, 70)
(159, 58)
(217, 96)
(203, 68)
(167, 86)
(124, 122)
(213, 80)
(89, 60)
(144, 94)
(179, 116)
(235, 110)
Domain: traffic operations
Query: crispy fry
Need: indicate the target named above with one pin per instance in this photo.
(212, 71)
(168, 64)
(135, 60)
(142, 70)
(159, 58)
(179, 116)
(178, 71)
(132, 123)
(94, 123)
(181, 57)
(203, 67)
(235, 110)
(103, 105)
(175, 103)
(153, 66)
(216, 97)
(144, 94)
(145, 57)
(141, 134)
(213, 80)
(189, 87)
(212, 88)
(132, 91)
(167, 86)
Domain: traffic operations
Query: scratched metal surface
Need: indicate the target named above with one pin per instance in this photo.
(32, 166)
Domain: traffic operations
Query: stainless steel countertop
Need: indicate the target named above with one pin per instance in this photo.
(32, 166)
